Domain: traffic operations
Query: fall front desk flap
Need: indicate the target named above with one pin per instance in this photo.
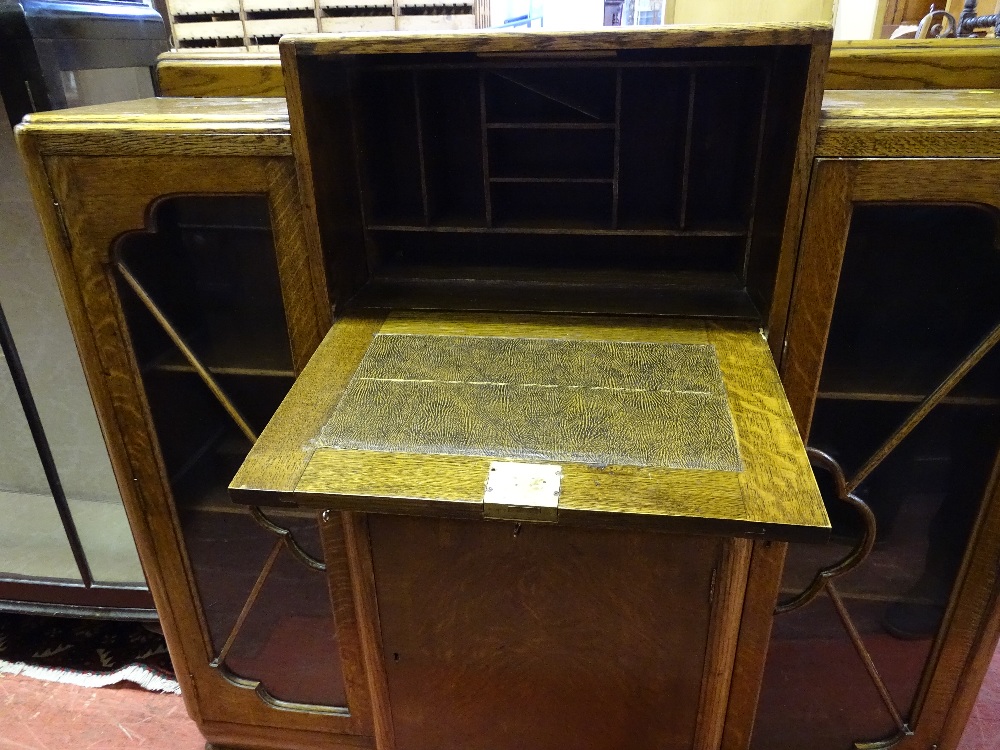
(645, 175)
(651, 423)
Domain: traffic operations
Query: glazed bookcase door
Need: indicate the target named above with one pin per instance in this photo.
(203, 303)
(881, 637)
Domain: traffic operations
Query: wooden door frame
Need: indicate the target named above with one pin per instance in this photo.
(971, 630)
(88, 203)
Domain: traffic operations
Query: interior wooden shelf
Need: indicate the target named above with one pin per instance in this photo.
(174, 361)
(551, 126)
(843, 382)
(557, 180)
(239, 371)
(567, 230)
(862, 596)
(909, 398)
(205, 489)
(569, 277)
(603, 64)
(553, 296)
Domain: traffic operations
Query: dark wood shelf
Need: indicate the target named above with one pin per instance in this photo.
(527, 275)
(507, 154)
(550, 126)
(556, 296)
(182, 366)
(556, 180)
(203, 486)
(602, 64)
(863, 596)
(901, 378)
(907, 398)
(527, 228)
(232, 350)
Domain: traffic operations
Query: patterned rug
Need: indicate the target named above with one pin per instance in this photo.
(89, 653)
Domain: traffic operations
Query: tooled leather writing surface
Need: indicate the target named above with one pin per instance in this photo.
(594, 402)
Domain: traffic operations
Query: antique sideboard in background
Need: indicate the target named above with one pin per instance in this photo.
(877, 65)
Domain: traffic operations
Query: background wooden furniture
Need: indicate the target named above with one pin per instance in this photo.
(878, 64)
(913, 64)
(749, 11)
(892, 368)
(219, 73)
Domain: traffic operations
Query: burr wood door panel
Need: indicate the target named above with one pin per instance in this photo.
(501, 635)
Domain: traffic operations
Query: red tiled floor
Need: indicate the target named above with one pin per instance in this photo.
(37, 715)
(983, 730)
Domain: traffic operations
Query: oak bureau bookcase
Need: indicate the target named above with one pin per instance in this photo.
(197, 292)
(535, 486)
(545, 430)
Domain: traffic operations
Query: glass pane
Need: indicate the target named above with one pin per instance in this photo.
(104, 85)
(210, 270)
(34, 310)
(32, 541)
(916, 296)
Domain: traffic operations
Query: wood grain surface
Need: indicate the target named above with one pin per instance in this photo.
(283, 449)
(824, 236)
(734, 35)
(909, 124)
(300, 268)
(165, 126)
(729, 585)
(207, 73)
(780, 279)
(357, 541)
(763, 582)
(882, 64)
(502, 636)
(166, 110)
(336, 530)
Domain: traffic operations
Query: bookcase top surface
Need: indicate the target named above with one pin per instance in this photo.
(170, 126)
(900, 123)
(659, 424)
(170, 110)
(539, 40)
